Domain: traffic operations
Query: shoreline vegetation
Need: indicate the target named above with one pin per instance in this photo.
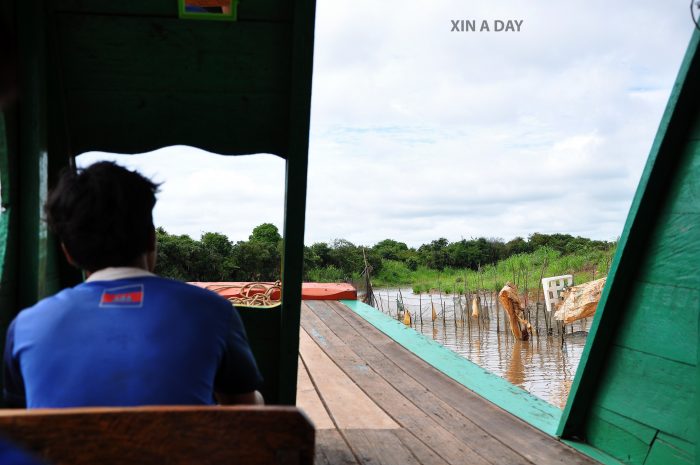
(483, 264)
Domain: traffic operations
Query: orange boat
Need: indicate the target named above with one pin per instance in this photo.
(309, 291)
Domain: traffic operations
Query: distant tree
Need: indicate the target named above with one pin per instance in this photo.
(311, 262)
(435, 255)
(346, 256)
(180, 257)
(255, 261)
(322, 253)
(260, 258)
(516, 246)
(215, 258)
(557, 242)
(220, 264)
(566, 243)
(389, 249)
(266, 232)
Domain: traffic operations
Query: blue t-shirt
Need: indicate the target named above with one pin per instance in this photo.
(134, 341)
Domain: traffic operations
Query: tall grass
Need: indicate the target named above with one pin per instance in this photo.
(521, 270)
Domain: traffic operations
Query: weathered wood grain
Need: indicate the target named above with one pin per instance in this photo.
(529, 442)
(349, 407)
(606, 430)
(672, 252)
(662, 319)
(173, 435)
(309, 401)
(432, 406)
(382, 447)
(422, 453)
(664, 452)
(677, 443)
(331, 449)
(404, 412)
(651, 390)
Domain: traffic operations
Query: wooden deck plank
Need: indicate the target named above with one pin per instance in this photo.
(529, 442)
(331, 449)
(377, 447)
(349, 407)
(433, 406)
(423, 453)
(309, 401)
(495, 389)
(404, 412)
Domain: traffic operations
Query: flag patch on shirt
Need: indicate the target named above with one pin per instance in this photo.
(124, 296)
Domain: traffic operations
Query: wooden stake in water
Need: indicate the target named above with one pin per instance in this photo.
(498, 316)
(420, 306)
(466, 304)
(440, 294)
(444, 319)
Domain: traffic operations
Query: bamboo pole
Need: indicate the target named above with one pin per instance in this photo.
(420, 307)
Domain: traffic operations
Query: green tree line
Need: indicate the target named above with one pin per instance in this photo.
(214, 257)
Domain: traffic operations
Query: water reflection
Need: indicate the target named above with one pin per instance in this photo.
(543, 365)
(515, 373)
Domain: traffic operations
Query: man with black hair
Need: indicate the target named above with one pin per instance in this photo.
(125, 336)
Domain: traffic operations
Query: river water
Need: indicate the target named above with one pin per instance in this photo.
(544, 366)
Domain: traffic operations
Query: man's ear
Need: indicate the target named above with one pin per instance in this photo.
(67, 255)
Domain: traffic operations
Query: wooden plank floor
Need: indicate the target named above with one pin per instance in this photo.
(373, 402)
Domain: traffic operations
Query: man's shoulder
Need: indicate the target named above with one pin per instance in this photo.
(94, 293)
(47, 309)
(64, 297)
(182, 288)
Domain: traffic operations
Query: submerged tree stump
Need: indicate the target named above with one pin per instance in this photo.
(519, 326)
(580, 301)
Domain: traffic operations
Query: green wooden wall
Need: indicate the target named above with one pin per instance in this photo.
(635, 394)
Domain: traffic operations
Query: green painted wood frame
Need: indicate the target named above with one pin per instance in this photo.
(648, 200)
(304, 17)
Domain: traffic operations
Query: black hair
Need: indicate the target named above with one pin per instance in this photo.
(102, 214)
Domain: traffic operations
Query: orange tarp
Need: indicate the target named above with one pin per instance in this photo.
(309, 291)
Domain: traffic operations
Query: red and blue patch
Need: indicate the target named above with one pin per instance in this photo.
(125, 296)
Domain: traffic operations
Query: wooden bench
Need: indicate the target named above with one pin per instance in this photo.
(158, 435)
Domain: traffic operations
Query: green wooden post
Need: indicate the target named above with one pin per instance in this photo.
(8, 222)
(7, 245)
(295, 197)
(33, 160)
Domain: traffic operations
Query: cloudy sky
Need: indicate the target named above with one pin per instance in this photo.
(420, 132)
